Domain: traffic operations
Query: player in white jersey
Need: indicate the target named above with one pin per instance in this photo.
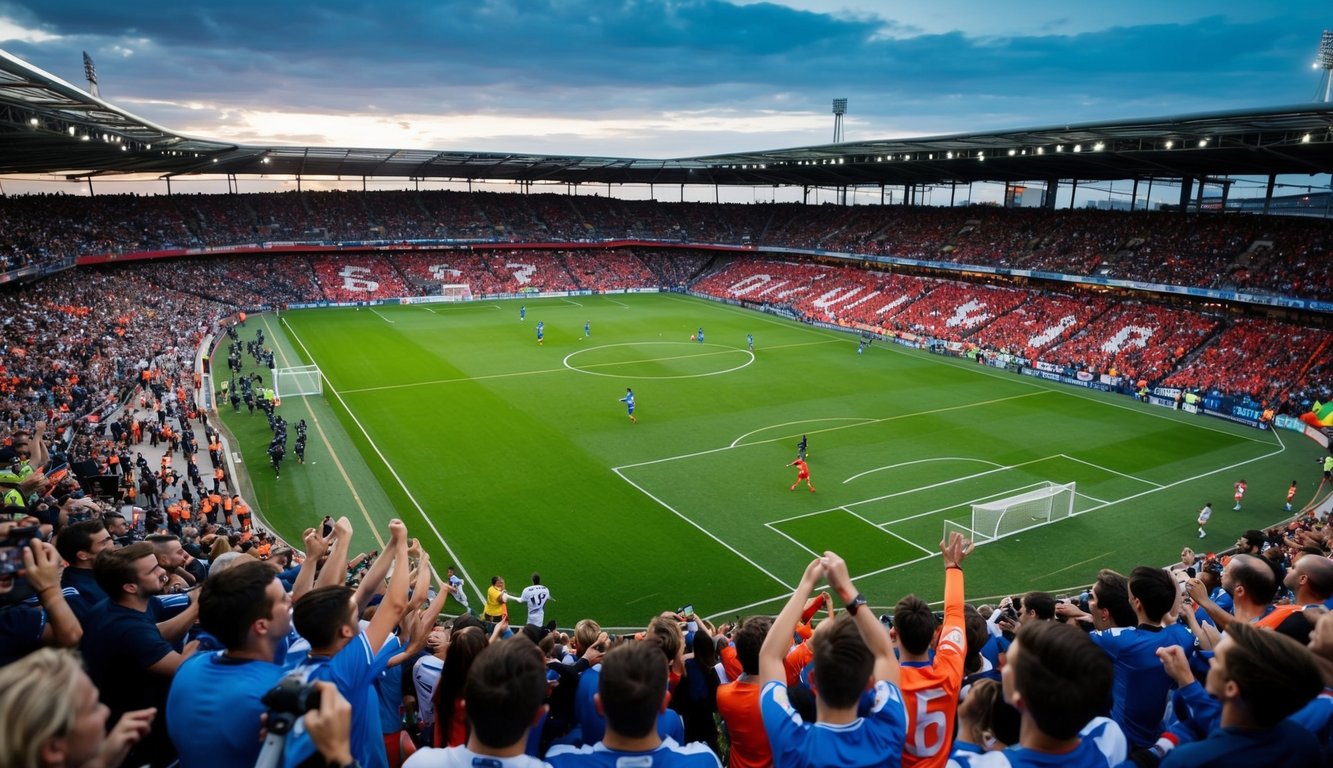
(456, 588)
(535, 597)
(1204, 515)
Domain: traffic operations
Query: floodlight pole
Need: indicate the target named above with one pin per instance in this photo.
(1324, 61)
(839, 109)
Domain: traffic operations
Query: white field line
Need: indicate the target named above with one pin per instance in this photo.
(515, 374)
(389, 466)
(732, 611)
(1111, 471)
(950, 481)
(830, 429)
(886, 530)
(770, 527)
(860, 419)
(919, 461)
(613, 301)
(567, 301)
(382, 317)
(968, 503)
(702, 529)
(324, 438)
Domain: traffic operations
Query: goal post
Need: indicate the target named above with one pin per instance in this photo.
(456, 291)
(1006, 516)
(297, 381)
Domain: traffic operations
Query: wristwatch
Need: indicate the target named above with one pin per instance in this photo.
(855, 602)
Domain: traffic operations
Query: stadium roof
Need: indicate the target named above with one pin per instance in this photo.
(50, 126)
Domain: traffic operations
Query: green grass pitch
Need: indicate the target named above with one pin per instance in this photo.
(504, 456)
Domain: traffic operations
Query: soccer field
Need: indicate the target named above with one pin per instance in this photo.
(504, 456)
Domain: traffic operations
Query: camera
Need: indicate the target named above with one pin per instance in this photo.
(11, 549)
(292, 696)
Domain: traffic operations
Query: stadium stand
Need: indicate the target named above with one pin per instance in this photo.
(102, 357)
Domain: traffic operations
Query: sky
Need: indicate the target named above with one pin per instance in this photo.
(662, 78)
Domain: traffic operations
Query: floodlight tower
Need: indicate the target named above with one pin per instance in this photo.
(90, 73)
(840, 109)
(1324, 61)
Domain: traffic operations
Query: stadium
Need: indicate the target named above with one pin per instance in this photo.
(1064, 387)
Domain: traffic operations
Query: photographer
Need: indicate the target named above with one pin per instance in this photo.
(30, 566)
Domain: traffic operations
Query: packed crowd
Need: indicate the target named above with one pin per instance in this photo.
(1173, 346)
(1271, 255)
(193, 639)
(374, 660)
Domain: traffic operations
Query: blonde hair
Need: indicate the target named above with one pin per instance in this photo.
(37, 695)
(220, 546)
(586, 633)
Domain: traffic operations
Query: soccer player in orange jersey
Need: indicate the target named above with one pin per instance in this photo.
(1291, 495)
(930, 688)
(802, 473)
(1240, 493)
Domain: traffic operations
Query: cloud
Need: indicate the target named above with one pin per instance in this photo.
(649, 67)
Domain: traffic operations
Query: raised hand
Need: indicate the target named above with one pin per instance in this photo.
(955, 549)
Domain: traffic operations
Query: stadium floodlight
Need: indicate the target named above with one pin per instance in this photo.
(1324, 60)
(839, 109)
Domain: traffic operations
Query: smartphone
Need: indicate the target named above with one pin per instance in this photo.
(686, 610)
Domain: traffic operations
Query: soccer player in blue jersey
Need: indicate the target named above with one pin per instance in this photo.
(1059, 682)
(628, 400)
(1260, 677)
(541, 331)
(699, 337)
(1141, 685)
(854, 653)
(749, 341)
(587, 328)
(522, 313)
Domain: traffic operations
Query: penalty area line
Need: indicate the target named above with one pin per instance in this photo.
(702, 529)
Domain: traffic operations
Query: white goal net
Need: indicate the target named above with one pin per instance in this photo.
(300, 380)
(456, 291)
(996, 519)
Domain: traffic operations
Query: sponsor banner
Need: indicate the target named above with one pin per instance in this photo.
(421, 300)
(1283, 421)
(1042, 365)
(1041, 374)
(1189, 408)
(1165, 402)
(1084, 376)
(1246, 412)
(913, 343)
(1110, 381)
(1170, 392)
(1235, 418)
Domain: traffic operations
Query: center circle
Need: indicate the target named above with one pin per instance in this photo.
(722, 350)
